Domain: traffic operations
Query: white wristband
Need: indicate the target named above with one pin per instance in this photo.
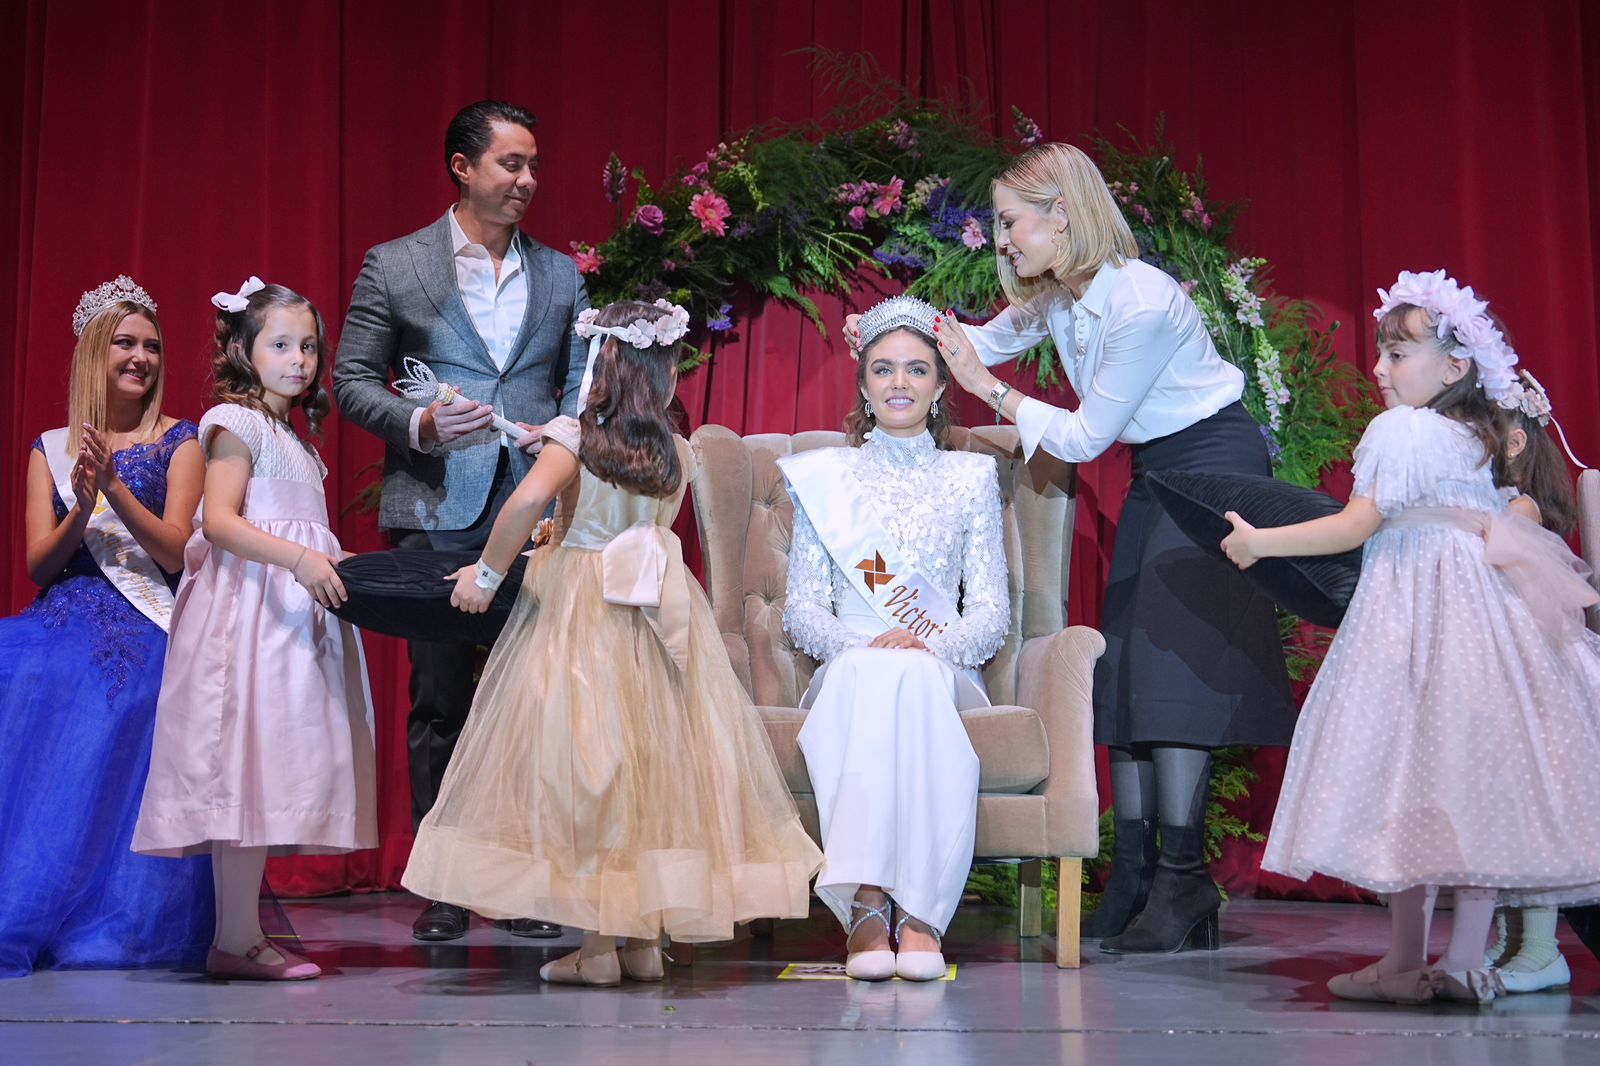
(486, 577)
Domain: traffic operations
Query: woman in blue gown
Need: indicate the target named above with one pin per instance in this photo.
(80, 667)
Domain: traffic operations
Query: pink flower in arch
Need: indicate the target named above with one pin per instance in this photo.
(887, 201)
(589, 259)
(712, 211)
(856, 217)
(972, 234)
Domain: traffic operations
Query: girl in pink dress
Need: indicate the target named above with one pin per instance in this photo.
(1451, 735)
(263, 735)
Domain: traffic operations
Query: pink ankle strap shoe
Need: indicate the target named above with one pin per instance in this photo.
(245, 967)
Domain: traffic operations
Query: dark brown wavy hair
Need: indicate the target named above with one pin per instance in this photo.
(1538, 471)
(234, 378)
(858, 422)
(627, 436)
(1463, 401)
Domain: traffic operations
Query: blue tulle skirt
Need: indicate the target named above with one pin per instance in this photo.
(79, 673)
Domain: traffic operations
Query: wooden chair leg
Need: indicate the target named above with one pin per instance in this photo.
(1069, 906)
(1030, 897)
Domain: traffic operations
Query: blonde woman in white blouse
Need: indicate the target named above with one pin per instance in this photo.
(1193, 660)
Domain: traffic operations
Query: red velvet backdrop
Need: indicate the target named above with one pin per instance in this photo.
(192, 144)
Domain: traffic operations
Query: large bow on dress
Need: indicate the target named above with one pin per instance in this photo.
(1550, 580)
(643, 567)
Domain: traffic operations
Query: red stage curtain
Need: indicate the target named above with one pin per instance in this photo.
(192, 144)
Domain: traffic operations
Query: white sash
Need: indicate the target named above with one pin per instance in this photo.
(115, 551)
(850, 527)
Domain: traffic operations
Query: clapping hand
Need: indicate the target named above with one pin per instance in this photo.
(96, 455)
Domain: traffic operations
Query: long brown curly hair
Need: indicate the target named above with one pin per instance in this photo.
(626, 433)
(233, 374)
(858, 422)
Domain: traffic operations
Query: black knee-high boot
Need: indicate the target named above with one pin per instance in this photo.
(1133, 867)
(1181, 911)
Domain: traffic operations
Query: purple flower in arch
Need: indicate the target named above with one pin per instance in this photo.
(614, 179)
(722, 322)
(651, 219)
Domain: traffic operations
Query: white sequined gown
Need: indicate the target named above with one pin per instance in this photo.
(1446, 740)
(895, 776)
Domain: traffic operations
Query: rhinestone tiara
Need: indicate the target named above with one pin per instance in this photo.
(897, 312)
(94, 301)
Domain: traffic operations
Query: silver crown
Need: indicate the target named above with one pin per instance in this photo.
(897, 312)
(94, 301)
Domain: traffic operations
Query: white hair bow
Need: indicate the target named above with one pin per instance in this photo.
(238, 301)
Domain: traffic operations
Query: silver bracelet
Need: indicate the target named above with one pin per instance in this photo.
(486, 577)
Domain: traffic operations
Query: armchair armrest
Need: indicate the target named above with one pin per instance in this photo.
(1055, 677)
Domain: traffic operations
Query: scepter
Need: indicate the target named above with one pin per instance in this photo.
(421, 385)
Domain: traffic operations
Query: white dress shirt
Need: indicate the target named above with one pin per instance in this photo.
(495, 305)
(1135, 351)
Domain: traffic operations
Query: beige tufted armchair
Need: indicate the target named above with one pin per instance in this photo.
(1036, 793)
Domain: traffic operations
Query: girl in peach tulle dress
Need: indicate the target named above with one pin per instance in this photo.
(612, 774)
(1451, 735)
(263, 736)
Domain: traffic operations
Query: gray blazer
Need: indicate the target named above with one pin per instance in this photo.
(406, 302)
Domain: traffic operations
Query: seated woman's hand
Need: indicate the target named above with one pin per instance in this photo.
(469, 596)
(898, 638)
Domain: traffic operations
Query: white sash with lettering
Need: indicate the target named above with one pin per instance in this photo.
(120, 557)
(852, 530)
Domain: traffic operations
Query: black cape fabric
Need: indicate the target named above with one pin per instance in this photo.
(1317, 588)
(405, 594)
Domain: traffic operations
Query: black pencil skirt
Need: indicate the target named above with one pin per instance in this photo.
(1193, 656)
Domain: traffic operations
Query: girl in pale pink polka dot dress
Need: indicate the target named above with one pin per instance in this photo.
(1451, 736)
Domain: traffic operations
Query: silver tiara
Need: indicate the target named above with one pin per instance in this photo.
(897, 312)
(94, 301)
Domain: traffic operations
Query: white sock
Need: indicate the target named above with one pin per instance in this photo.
(1537, 947)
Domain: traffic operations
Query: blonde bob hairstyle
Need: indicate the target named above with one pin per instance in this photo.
(86, 390)
(1096, 231)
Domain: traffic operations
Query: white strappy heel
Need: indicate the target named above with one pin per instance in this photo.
(878, 964)
(918, 965)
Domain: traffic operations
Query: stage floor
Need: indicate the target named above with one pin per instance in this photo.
(388, 1001)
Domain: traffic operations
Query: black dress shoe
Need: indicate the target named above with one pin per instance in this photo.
(440, 921)
(530, 927)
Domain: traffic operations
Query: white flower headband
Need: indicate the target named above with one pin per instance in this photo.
(235, 302)
(1465, 317)
(640, 333)
(120, 289)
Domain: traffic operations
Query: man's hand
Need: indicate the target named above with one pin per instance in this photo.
(444, 422)
(532, 440)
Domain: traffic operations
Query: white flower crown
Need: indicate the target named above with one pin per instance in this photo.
(1465, 317)
(640, 333)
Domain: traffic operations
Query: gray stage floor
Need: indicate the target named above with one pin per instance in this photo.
(387, 1001)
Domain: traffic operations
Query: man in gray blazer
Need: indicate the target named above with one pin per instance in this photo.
(491, 311)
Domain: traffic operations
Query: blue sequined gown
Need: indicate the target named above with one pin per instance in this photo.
(79, 672)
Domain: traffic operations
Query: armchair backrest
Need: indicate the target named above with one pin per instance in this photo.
(746, 521)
